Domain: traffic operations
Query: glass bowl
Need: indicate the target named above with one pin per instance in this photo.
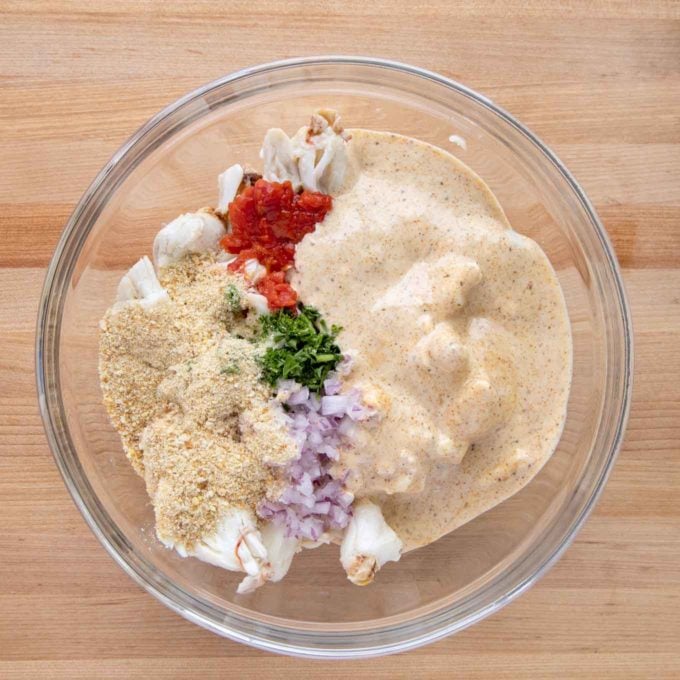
(170, 166)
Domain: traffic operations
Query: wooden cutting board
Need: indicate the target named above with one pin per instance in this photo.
(598, 81)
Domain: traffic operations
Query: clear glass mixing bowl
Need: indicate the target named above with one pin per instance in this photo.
(170, 166)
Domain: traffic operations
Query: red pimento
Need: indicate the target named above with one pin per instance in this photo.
(277, 290)
(267, 220)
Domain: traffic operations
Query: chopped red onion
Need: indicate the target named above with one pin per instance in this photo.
(332, 386)
(299, 396)
(313, 501)
(333, 406)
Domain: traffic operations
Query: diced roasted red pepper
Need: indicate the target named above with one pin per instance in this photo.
(275, 258)
(277, 290)
(267, 220)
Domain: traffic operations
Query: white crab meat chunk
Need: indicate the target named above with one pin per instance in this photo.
(140, 286)
(315, 158)
(368, 544)
(280, 165)
(228, 183)
(189, 233)
(280, 550)
(235, 545)
(258, 303)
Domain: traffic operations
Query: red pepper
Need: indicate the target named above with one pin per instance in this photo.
(277, 290)
(267, 220)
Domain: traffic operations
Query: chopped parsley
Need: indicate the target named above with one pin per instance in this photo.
(303, 348)
(233, 298)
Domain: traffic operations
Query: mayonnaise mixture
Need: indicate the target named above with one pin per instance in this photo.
(459, 331)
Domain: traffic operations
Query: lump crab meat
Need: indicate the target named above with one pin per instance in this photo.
(280, 550)
(279, 160)
(368, 544)
(258, 303)
(315, 158)
(186, 234)
(140, 286)
(236, 545)
(228, 183)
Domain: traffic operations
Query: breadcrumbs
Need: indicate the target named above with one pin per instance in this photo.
(182, 386)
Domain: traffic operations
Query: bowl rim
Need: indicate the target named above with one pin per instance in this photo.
(49, 317)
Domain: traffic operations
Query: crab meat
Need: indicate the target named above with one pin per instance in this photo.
(228, 183)
(280, 164)
(140, 286)
(368, 544)
(188, 233)
(236, 545)
(280, 550)
(258, 303)
(315, 158)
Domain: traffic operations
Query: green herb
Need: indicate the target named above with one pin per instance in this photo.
(304, 349)
(230, 369)
(233, 298)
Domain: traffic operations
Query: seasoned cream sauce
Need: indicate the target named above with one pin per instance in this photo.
(459, 331)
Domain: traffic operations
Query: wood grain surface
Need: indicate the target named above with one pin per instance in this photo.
(598, 81)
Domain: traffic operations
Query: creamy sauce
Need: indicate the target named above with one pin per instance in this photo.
(459, 330)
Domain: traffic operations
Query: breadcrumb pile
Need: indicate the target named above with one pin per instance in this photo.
(182, 386)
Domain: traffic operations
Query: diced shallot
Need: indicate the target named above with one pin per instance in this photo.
(314, 502)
